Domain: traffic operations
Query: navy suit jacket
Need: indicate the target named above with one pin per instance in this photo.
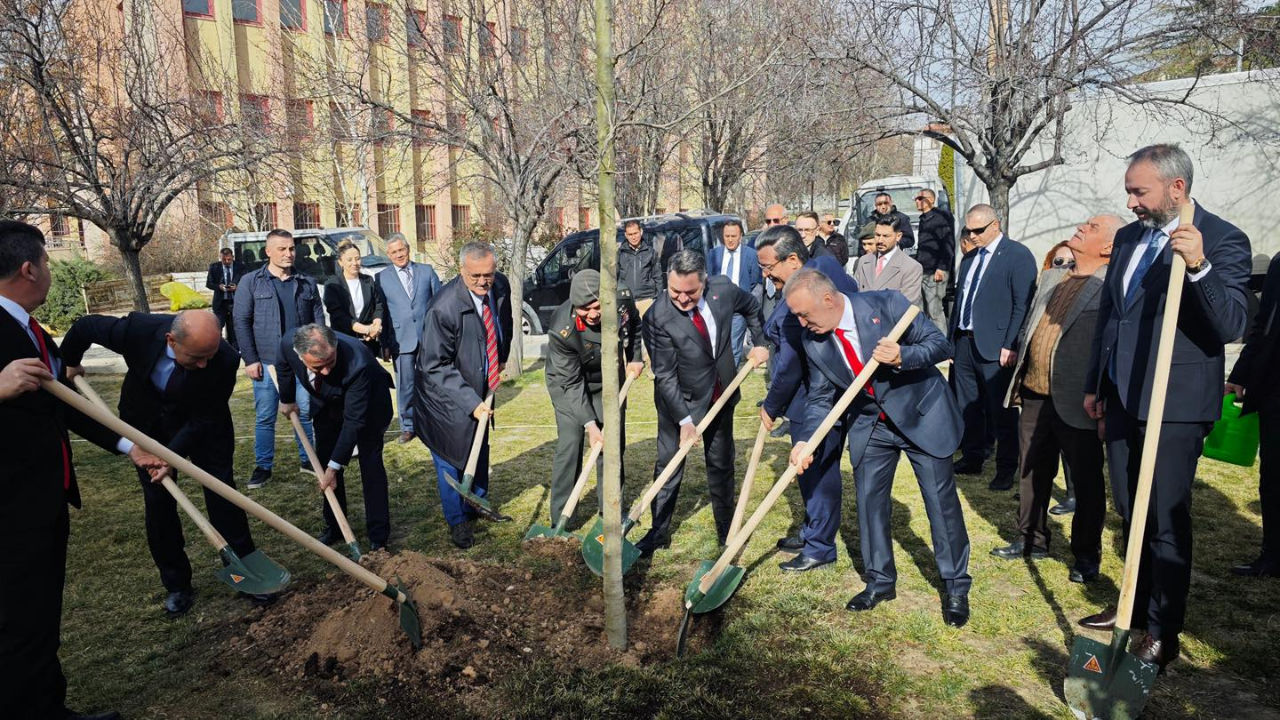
(915, 396)
(1005, 290)
(1212, 315)
(789, 376)
(1262, 351)
(748, 266)
(404, 317)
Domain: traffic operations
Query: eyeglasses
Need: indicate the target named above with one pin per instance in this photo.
(921, 198)
(772, 221)
(769, 267)
(979, 231)
(1060, 261)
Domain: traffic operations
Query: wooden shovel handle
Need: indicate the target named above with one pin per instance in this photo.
(737, 542)
(68, 396)
(483, 426)
(210, 532)
(1151, 442)
(748, 480)
(637, 510)
(567, 513)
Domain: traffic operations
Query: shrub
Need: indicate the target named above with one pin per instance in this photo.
(65, 303)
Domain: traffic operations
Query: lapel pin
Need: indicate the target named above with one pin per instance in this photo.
(875, 321)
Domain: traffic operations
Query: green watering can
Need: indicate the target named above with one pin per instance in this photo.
(1234, 438)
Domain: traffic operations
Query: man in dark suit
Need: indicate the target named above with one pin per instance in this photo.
(350, 408)
(1253, 379)
(39, 482)
(688, 336)
(738, 263)
(177, 390)
(996, 284)
(782, 254)
(905, 408)
(407, 288)
(1118, 386)
(222, 280)
(469, 324)
(807, 226)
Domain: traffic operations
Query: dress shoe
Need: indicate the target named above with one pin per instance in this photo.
(802, 563)
(1105, 620)
(178, 603)
(1020, 549)
(108, 715)
(375, 547)
(651, 543)
(781, 429)
(791, 543)
(261, 599)
(259, 478)
(305, 467)
(405, 437)
(1001, 482)
(1262, 567)
(1153, 650)
(329, 536)
(1083, 573)
(1064, 508)
(869, 598)
(955, 610)
(462, 535)
(966, 467)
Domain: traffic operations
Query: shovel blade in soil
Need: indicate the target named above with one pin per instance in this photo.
(1106, 683)
(720, 591)
(409, 620)
(353, 549)
(593, 550)
(255, 573)
(477, 503)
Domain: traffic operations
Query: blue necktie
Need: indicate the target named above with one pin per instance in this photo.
(1144, 264)
(966, 317)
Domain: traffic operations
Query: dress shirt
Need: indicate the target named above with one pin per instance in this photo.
(1161, 237)
(406, 279)
(357, 297)
(969, 277)
(705, 311)
(732, 259)
(850, 328)
(311, 380)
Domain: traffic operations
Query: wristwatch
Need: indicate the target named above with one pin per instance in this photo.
(1198, 266)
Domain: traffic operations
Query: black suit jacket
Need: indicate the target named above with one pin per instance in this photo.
(341, 306)
(355, 395)
(1212, 314)
(198, 418)
(34, 426)
(451, 379)
(685, 373)
(1005, 290)
(1261, 354)
(215, 279)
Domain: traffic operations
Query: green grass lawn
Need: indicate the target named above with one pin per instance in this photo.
(786, 646)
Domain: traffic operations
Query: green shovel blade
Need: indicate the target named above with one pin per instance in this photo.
(558, 531)
(353, 549)
(1106, 683)
(480, 504)
(593, 550)
(255, 573)
(721, 590)
(409, 621)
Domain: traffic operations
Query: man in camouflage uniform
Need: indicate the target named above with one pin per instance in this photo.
(574, 378)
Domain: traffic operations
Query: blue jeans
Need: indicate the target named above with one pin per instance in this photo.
(456, 509)
(266, 408)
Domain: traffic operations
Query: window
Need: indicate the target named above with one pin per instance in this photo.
(382, 124)
(198, 8)
(422, 134)
(456, 123)
(264, 216)
(426, 217)
(214, 218)
(388, 219)
(451, 30)
(339, 123)
(335, 17)
(301, 119)
(460, 215)
(208, 107)
(485, 36)
(518, 43)
(246, 12)
(416, 28)
(584, 218)
(58, 225)
(377, 22)
(293, 14)
(306, 216)
(347, 215)
(255, 111)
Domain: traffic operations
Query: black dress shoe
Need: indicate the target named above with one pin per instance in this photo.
(803, 563)
(375, 547)
(965, 467)
(178, 603)
(108, 715)
(781, 429)
(791, 543)
(462, 535)
(1083, 573)
(651, 543)
(1001, 482)
(305, 467)
(955, 610)
(1262, 567)
(1019, 549)
(869, 598)
(329, 536)
(1064, 508)
(259, 478)
(1105, 620)
(1153, 650)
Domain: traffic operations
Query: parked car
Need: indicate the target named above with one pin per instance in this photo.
(903, 190)
(548, 287)
(317, 250)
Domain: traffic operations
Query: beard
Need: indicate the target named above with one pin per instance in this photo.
(1159, 216)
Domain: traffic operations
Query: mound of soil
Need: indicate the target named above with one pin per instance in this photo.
(479, 622)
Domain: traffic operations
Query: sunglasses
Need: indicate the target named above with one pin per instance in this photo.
(772, 221)
(1060, 261)
(919, 198)
(979, 231)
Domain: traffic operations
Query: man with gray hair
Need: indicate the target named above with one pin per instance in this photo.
(350, 408)
(470, 329)
(408, 287)
(1118, 386)
(688, 334)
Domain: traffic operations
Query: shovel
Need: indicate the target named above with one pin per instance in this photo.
(353, 547)
(409, 621)
(593, 543)
(479, 504)
(255, 573)
(715, 583)
(1107, 681)
(567, 513)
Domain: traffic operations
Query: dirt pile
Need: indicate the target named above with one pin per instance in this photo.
(479, 622)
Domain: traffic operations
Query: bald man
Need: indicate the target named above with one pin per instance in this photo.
(775, 214)
(1055, 342)
(177, 390)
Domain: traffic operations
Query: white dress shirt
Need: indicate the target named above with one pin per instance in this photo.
(729, 257)
(850, 328)
(357, 297)
(705, 311)
(1161, 237)
(969, 277)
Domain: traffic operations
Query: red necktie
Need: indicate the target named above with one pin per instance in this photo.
(701, 326)
(44, 356)
(491, 345)
(854, 363)
(879, 265)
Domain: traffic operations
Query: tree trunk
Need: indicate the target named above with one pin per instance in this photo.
(132, 268)
(615, 609)
(999, 192)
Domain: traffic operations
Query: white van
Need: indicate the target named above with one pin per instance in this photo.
(903, 189)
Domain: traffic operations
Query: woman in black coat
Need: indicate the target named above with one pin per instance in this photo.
(354, 302)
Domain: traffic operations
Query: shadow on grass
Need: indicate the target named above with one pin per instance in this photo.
(1001, 701)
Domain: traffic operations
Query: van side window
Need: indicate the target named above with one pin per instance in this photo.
(252, 253)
